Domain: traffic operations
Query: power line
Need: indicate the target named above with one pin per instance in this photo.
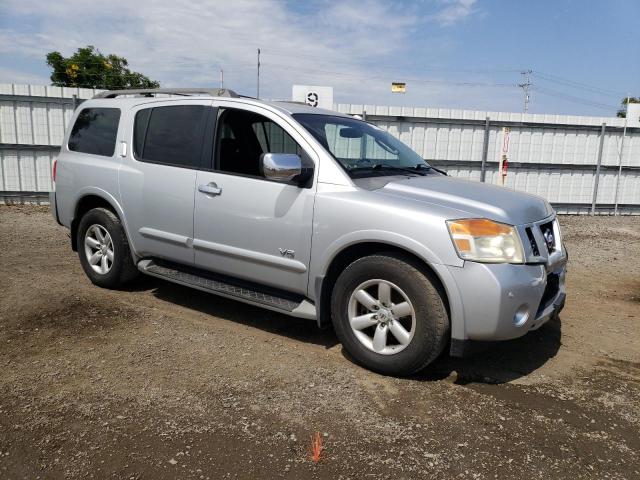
(527, 85)
(393, 66)
(381, 75)
(572, 98)
(313, 71)
(388, 77)
(571, 83)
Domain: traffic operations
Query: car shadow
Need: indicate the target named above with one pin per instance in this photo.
(298, 329)
(501, 362)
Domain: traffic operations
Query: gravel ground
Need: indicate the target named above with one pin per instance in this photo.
(160, 381)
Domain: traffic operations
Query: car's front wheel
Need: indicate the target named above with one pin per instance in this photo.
(103, 249)
(389, 314)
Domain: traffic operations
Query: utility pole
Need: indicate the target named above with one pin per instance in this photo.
(620, 155)
(221, 78)
(525, 87)
(258, 85)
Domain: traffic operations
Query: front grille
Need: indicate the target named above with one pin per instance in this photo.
(532, 241)
(549, 236)
(550, 291)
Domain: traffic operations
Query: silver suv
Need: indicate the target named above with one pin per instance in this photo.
(309, 213)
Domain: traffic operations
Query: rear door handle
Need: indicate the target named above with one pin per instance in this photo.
(210, 189)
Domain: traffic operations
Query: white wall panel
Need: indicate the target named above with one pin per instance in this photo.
(7, 123)
(40, 123)
(11, 170)
(630, 188)
(44, 164)
(24, 128)
(27, 162)
(437, 134)
(56, 123)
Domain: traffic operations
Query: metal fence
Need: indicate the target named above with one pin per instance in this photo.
(33, 119)
(578, 163)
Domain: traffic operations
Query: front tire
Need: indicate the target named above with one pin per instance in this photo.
(389, 314)
(104, 250)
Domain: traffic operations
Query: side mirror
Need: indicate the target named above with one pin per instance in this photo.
(283, 167)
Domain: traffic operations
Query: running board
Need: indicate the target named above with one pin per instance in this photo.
(231, 288)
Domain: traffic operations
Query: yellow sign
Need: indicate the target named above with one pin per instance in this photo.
(398, 87)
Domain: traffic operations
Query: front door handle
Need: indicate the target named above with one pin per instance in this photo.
(210, 189)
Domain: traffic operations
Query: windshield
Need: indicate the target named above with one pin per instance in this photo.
(361, 148)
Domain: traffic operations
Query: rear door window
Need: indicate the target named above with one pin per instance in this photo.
(170, 135)
(95, 131)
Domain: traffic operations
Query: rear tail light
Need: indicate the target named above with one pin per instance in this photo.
(55, 168)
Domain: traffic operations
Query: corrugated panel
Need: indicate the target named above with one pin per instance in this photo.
(38, 90)
(34, 121)
(40, 123)
(21, 90)
(27, 163)
(11, 170)
(7, 123)
(630, 188)
(44, 165)
(56, 123)
(23, 123)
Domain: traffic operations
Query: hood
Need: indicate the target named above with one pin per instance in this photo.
(477, 199)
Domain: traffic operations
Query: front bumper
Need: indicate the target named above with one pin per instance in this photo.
(504, 301)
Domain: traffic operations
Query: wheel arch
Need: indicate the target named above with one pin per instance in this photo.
(89, 200)
(341, 259)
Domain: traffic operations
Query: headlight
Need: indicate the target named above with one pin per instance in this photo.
(482, 240)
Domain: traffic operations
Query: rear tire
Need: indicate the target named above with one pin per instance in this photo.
(104, 250)
(389, 314)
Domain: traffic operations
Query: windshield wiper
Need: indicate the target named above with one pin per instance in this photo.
(439, 171)
(429, 167)
(415, 170)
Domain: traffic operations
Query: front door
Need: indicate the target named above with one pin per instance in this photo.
(245, 225)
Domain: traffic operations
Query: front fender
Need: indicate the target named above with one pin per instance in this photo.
(377, 236)
(442, 271)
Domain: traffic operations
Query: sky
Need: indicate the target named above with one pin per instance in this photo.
(584, 54)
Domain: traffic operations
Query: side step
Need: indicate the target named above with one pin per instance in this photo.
(233, 288)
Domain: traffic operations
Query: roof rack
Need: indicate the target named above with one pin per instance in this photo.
(150, 92)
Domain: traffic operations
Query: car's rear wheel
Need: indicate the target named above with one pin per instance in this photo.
(389, 314)
(104, 250)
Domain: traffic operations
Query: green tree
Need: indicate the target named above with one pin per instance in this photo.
(622, 113)
(89, 68)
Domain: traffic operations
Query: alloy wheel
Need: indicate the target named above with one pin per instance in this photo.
(98, 247)
(381, 316)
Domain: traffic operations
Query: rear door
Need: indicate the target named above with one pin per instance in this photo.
(245, 225)
(158, 175)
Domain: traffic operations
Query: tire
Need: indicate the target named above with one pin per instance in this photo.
(427, 324)
(119, 268)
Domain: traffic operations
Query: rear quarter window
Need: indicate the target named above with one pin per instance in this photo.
(95, 131)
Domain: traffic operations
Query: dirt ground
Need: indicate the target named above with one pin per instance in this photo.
(160, 381)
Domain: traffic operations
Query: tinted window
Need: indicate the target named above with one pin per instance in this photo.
(95, 131)
(273, 139)
(171, 135)
(244, 136)
(139, 130)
